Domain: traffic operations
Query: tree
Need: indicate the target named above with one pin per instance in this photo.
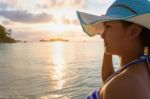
(2, 33)
(9, 32)
(5, 35)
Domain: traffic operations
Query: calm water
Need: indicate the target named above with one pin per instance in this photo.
(56, 70)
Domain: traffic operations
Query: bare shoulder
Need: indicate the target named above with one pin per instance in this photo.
(122, 87)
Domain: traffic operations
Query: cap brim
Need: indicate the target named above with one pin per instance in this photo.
(93, 24)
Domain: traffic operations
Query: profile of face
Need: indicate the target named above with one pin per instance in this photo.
(118, 38)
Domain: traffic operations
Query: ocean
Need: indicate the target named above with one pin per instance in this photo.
(50, 70)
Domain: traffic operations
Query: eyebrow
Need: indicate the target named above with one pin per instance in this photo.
(104, 23)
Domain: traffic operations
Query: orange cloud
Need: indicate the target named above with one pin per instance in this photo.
(61, 3)
(70, 21)
(66, 21)
(75, 22)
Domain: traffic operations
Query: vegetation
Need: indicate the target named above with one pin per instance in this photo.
(54, 40)
(5, 35)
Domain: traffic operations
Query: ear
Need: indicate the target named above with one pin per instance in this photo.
(134, 31)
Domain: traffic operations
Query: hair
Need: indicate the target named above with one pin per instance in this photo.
(144, 35)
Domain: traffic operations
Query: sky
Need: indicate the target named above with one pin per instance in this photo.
(32, 20)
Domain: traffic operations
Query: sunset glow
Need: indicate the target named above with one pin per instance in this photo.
(51, 17)
(58, 61)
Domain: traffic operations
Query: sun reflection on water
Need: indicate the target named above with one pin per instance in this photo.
(59, 64)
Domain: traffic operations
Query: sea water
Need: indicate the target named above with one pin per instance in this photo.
(50, 70)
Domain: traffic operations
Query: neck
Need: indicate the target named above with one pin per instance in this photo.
(126, 59)
(130, 56)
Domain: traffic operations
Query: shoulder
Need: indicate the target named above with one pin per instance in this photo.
(121, 87)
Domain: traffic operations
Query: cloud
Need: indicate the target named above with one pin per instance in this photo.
(61, 3)
(75, 21)
(7, 22)
(66, 20)
(5, 4)
(96, 7)
(26, 17)
(69, 21)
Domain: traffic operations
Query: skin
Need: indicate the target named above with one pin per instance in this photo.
(133, 82)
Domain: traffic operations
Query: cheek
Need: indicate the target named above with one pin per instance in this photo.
(115, 38)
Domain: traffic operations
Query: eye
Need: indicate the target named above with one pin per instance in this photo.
(107, 26)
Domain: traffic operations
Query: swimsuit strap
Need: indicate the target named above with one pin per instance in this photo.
(141, 59)
(148, 63)
(96, 95)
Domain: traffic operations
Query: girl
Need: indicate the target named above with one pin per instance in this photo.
(125, 29)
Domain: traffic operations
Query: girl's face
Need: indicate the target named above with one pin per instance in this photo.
(115, 38)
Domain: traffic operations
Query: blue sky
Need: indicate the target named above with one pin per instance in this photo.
(37, 19)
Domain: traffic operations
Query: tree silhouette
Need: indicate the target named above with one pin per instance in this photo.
(5, 35)
(2, 33)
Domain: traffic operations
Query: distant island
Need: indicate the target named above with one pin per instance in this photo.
(5, 35)
(54, 40)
